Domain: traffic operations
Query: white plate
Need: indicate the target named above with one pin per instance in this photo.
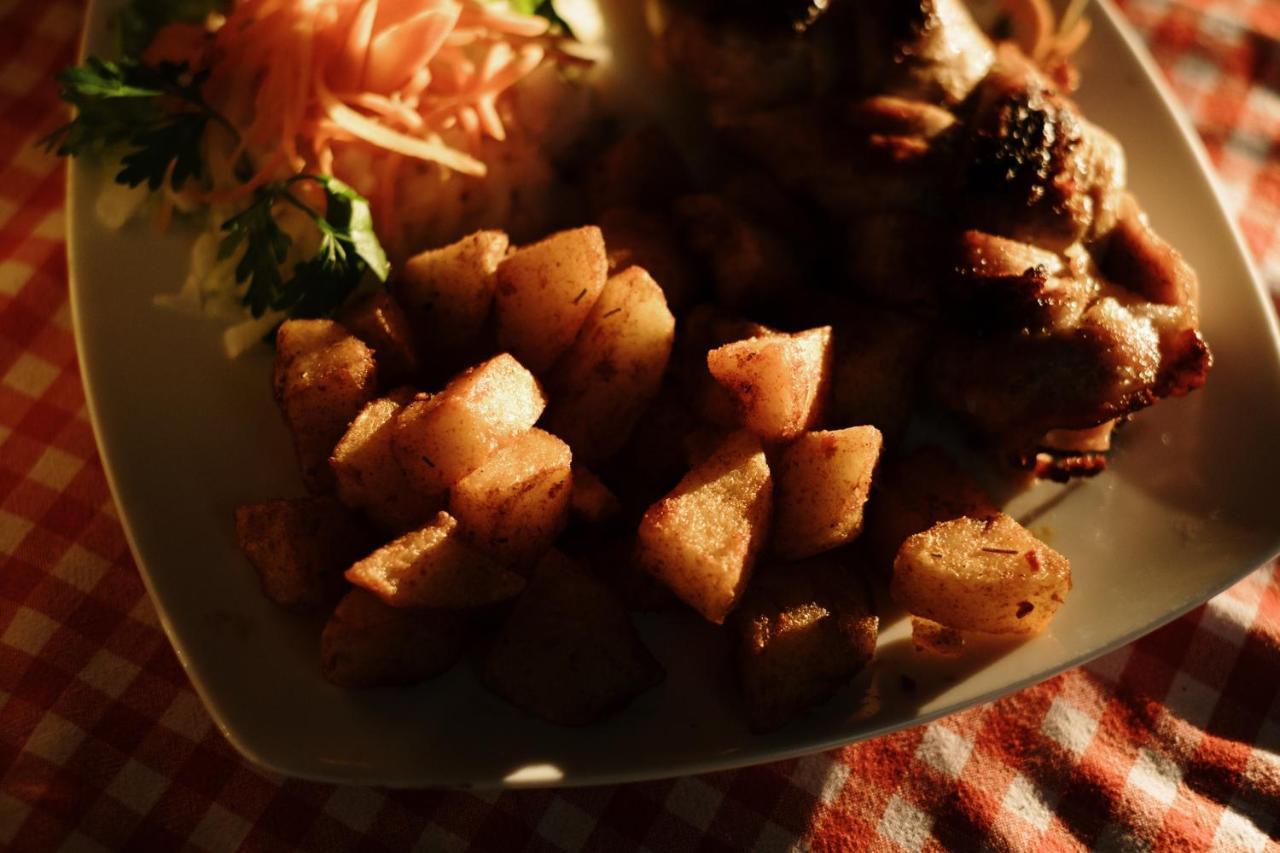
(1188, 508)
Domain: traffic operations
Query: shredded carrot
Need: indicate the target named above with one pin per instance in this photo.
(404, 79)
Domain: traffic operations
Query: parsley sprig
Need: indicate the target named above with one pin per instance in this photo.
(157, 113)
(348, 249)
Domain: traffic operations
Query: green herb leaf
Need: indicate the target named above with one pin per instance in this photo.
(348, 212)
(543, 9)
(266, 246)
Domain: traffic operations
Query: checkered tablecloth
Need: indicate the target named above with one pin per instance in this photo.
(1167, 744)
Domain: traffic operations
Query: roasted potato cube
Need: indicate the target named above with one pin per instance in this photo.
(613, 370)
(323, 378)
(368, 643)
(440, 440)
(516, 504)
(545, 292)
(380, 322)
(913, 495)
(300, 548)
(823, 480)
(369, 477)
(567, 652)
(981, 574)
(878, 356)
(931, 638)
(448, 292)
(637, 238)
(781, 382)
(702, 329)
(641, 169)
(702, 540)
(433, 567)
(591, 500)
(803, 631)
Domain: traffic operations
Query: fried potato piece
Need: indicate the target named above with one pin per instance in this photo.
(781, 382)
(369, 476)
(823, 481)
(567, 652)
(704, 328)
(545, 292)
(516, 504)
(591, 500)
(803, 631)
(913, 495)
(368, 643)
(637, 238)
(440, 440)
(613, 371)
(433, 567)
(448, 292)
(878, 357)
(381, 323)
(702, 539)
(981, 574)
(300, 548)
(323, 377)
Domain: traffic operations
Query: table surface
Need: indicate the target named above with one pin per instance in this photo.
(1168, 743)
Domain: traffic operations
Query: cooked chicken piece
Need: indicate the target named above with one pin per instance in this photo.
(1135, 257)
(1030, 167)
(929, 50)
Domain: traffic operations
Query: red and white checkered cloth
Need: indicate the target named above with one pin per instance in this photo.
(1170, 743)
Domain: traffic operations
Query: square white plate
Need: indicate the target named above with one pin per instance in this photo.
(1188, 508)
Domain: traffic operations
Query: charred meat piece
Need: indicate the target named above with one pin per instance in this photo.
(1135, 257)
(1031, 167)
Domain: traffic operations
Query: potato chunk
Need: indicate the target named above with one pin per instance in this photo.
(448, 292)
(380, 322)
(568, 652)
(544, 293)
(369, 477)
(612, 372)
(781, 382)
(300, 548)
(823, 480)
(368, 643)
(981, 574)
(591, 500)
(803, 631)
(440, 440)
(516, 504)
(323, 377)
(433, 567)
(913, 495)
(702, 540)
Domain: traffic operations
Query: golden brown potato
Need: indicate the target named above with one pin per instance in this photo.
(781, 382)
(803, 631)
(637, 238)
(369, 477)
(440, 440)
(516, 504)
(433, 567)
(323, 377)
(914, 494)
(591, 500)
(981, 574)
(300, 548)
(380, 322)
(702, 329)
(878, 357)
(568, 652)
(931, 638)
(545, 292)
(822, 483)
(448, 292)
(702, 540)
(613, 370)
(368, 643)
